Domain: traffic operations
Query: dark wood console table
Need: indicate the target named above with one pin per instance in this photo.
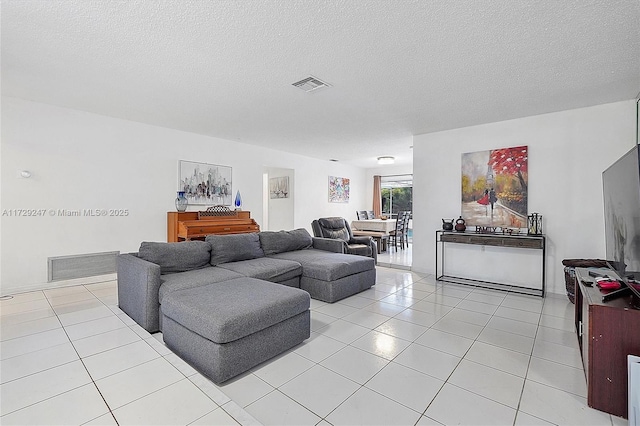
(498, 240)
(607, 333)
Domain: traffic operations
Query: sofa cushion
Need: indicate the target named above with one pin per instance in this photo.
(234, 247)
(176, 257)
(327, 266)
(195, 278)
(266, 268)
(284, 241)
(334, 227)
(230, 310)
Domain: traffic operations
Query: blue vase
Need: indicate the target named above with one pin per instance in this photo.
(181, 202)
(238, 202)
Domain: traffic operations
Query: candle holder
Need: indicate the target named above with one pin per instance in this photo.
(534, 221)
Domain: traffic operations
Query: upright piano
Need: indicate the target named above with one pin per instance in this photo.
(185, 226)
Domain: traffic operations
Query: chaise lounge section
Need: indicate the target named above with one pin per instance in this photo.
(325, 275)
(332, 276)
(226, 328)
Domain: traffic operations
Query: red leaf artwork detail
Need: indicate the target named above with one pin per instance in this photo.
(510, 161)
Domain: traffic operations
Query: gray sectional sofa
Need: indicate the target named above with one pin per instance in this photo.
(231, 302)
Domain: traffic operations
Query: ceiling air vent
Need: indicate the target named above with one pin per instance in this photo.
(310, 84)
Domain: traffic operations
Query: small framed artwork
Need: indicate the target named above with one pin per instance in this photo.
(338, 189)
(279, 187)
(205, 184)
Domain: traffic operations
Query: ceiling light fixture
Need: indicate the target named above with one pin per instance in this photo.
(386, 160)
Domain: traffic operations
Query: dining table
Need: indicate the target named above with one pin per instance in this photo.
(378, 225)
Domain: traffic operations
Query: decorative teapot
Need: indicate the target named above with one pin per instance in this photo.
(447, 225)
(460, 224)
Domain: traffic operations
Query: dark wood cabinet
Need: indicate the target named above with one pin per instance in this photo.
(607, 333)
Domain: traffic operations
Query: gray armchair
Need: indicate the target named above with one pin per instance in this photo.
(337, 228)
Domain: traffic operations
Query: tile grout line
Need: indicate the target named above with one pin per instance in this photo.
(420, 415)
(361, 386)
(461, 358)
(338, 373)
(142, 340)
(79, 359)
(86, 369)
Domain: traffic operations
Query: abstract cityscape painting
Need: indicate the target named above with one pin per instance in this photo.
(494, 187)
(338, 189)
(205, 184)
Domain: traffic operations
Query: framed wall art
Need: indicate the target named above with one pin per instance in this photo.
(205, 184)
(279, 187)
(494, 187)
(338, 189)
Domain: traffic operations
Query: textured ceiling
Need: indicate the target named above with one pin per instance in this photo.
(397, 68)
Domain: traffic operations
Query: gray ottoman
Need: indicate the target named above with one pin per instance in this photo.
(226, 328)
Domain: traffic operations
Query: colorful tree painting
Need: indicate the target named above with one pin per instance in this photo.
(494, 187)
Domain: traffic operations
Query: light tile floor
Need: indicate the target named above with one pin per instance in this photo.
(406, 352)
(395, 257)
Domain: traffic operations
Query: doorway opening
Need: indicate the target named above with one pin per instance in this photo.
(397, 201)
(277, 199)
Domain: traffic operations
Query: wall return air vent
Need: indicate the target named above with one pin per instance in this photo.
(82, 265)
(311, 84)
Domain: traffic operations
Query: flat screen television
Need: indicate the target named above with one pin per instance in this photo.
(621, 190)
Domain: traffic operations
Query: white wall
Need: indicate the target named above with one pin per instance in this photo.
(567, 153)
(81, 160)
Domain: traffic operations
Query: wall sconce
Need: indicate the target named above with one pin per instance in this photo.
(386, 160)
(26, 174)
(535, 224)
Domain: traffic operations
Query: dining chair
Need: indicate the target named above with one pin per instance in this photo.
(370, 214)
(361, 214)
(396, 237)
(405, 237)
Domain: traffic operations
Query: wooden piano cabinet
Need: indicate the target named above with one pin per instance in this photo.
(182, 226)
(172, 223)
(607, 333)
